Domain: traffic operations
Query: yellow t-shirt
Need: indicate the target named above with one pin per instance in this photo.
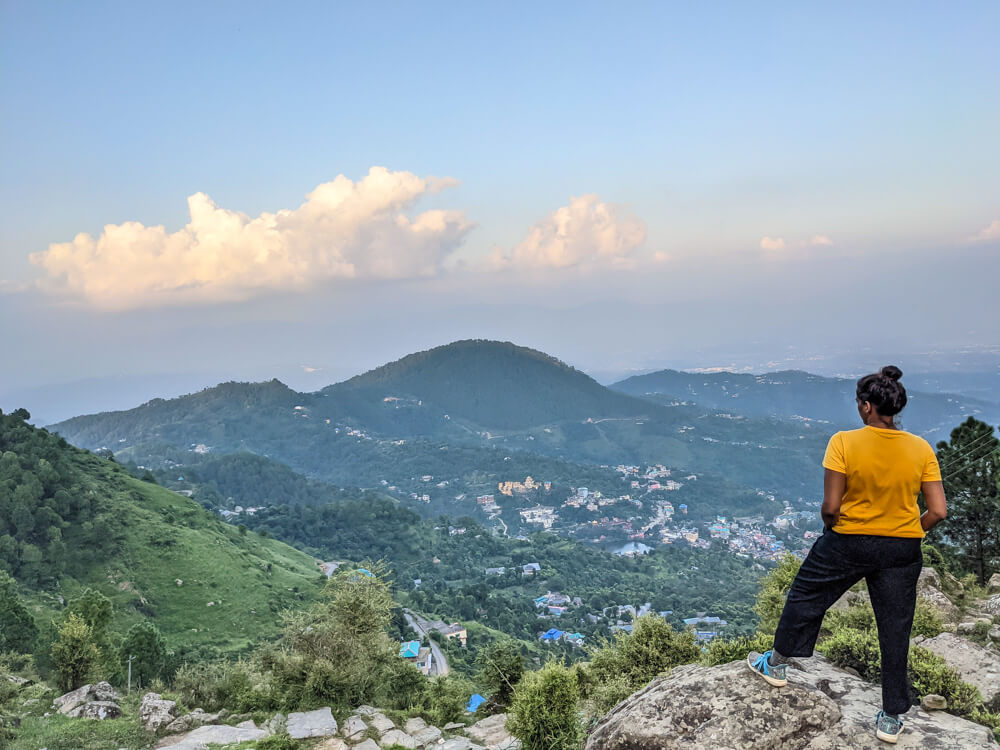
(884, 469)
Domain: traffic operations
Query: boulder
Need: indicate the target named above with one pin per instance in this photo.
(929, 588)
(155, 712)
(398, 737)
(305, 724)
(427, 736)
(730, 708)
(100, 692)
(991, 606)
(332, 743)
(368, 744)
(354, 726)
(220, 734)
(368, 710)
(966, 628)
(451, 726)
(993, 585)
(96, 710)
(976, 665)
(381, 723)
(491, 731)
(994, 634)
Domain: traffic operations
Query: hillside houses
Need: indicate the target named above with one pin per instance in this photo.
(543, 515)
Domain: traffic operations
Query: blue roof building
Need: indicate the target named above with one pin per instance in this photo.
(409, 649)
(552, 635)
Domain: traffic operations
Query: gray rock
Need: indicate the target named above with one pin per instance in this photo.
(96, 710)
(427, 736)
(994, 634)
(993, 585)
(992, 605)
(248, 724)
(277, 723)
(451, 726)
(368, 744)
(929, 587)
(966, 628)
(368, 710)
(397, 737)
(730, 708)
(193, 720)
(414, 725)
(976, 665)
(332, 743)
(155, 712)
(304, 724)
(221, 734)
(460, 743)
(382, 723)
(100, 692)
(934, 702)
(491, 731)
(354, 726)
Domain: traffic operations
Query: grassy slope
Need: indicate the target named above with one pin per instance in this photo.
(167, 537)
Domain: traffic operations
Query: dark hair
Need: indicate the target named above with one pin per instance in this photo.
(883, 390)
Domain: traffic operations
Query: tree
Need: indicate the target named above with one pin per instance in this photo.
(144, 642)
(501, 667)
(17, 627)
(970, 467)
(74, 654)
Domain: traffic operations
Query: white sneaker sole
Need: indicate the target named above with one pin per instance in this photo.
(890, 738)
(770, 680)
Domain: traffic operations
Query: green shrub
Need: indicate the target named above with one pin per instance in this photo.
(500, 668)
(446, 698)
(926, 620)
(630, 661)
(239, 686)
(773, 590)
(929, 673)
(723, 651)
(278, 742)
(543, 711)
(854, 649)
(61, 733)
(857, 617)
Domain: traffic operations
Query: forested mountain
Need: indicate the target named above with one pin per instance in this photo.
(70, 519)
(793, 394)
(494, 384)
(457, 411)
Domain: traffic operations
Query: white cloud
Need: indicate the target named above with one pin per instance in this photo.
(586, 231)
(990, 233)
(820, 240)
(772, 243)
(344, 229)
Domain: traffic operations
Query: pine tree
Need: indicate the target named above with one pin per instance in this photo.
(74, 653)
(970, 465)
(17, 627)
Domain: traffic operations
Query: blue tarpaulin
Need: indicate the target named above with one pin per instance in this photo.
(475, 702)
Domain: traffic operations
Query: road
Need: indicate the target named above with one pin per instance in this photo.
(439, 665)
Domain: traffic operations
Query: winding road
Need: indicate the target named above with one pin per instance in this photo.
(439, 664)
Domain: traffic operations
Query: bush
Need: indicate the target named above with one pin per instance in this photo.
(543, 711)
(926, 620)
(74, 654)
(239, 686)
(632, 660)
(929, 673)
(501, 667)
(723, 651)
(854, 649)
(446, 698)
(278, 742)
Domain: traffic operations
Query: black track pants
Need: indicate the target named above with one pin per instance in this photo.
(891, 566)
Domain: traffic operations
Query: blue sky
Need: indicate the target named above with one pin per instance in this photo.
(722, 145)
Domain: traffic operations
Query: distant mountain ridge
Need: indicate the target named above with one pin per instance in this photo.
(791, 394)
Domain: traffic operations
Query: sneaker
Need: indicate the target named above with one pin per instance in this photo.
(773, 673)
(887, 728)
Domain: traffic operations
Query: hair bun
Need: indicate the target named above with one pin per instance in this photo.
(892, 372)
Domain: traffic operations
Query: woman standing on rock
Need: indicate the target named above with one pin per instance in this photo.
(873, 531)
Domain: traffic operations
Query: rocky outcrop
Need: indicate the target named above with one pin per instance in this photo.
(993, 585)
(930, 589)
(155, 712)
(730, 708)
(492, 732)
(98, 701)
(193, 720)
(976, 665)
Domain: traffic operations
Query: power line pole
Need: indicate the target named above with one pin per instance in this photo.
(130, 674)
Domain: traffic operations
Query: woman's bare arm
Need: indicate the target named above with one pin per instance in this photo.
(937, 507)
(834, 487)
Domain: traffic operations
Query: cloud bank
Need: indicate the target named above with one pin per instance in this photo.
(988, 234)
(584, 232)
(345, 229)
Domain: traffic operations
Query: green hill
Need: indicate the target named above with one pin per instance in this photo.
(494, 384)
(70, 519)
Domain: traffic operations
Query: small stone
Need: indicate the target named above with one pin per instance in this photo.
(367, 710)
(994, 634)
(427, 736)
(451, 726)
(965, 628)
(414, 725)
(332, 743)
(248, 724)
(934, 702)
